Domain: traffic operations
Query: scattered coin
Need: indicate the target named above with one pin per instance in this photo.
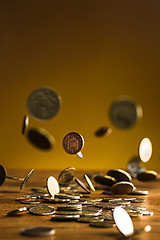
(38, 231)
(66, 175)
(82, 185)
(145, 149)
(61, 218)
(42, 210)
(25, 123)
(134, 167)
(30, 201)
(122, 187)
(43, 103)
(102, 224)
(26, 179)
(134, 214)
(52, 186)
(64, 196)
(40, 138)
(135, 200)
(40, 189)
(138, 192)
(124, 113)
(104, 179)
(89, 219)
(17, 212)
(73, 143)
(80, 155)
(56, 200)
(90, 184)
(120, 175)
(3, 176)
(148, 175)
(103, 131)
(74, 207)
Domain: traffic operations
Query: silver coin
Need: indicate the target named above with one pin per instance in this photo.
(30, 202)
(89, 219)
(82, 185)
(66, 175)
(134, 167)
(26, 179)
(135, 200)
(38, 231)
(63, 196)
(42, 210)
(64, 218)
(90, 184)
(74, 207)
(56, 200)
(25, 123)
(124, 113)
(17, 212)
(43, 103)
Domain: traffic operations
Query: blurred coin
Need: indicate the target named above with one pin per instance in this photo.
(124, 113)
(55, 200)
(74, 207)
(30, 201)
(42, 210)
(148, 175)
(64, 196)
(52, 186)
(43, 103)
(107, 217)
(122, 201)
(103, 131)
(66, 175)
(138, 192)
(134, 214)
(119, 175)
(104, 179)
(145, 149)
(80, 155)
(26, 179)
(88, 219)
(38, 231)
(135, 208)
(40, 138)
(73, 143)
(74, 202)
(134, 167)
(2, 174)
(64, 218)
(17, 212)
(90, 184)
(135, 200)
(82, 185)
(25, 123)
(146, 213)
(40, 189)
(122, 188)
(67, 212)
(102, 224)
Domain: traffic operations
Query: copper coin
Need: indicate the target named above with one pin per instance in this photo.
(104, 179)
(122, 188)
(103, 131)
(148, 175)
(2, 174)
(73, 143)
(119, 175)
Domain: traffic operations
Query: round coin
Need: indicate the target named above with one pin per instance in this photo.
(43, 103)
(73, 143)
(26, 179)
(74, 207)
(138, 192)
(148, 175)
(42, 210)
(52, 186)
(66, 175)
(17, 212)
(134, 167)
(124, 113)
(103, 131)
(119, 175)
(104, 179)
(82, 185)
(122, 188)
(145, 149)
(38, 231)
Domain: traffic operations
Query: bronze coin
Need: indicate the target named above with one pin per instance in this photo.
(73, 143)
(103, 131)
(122, 188)
(104, 179)
(119, 175)
(148, 175)
(2, 174)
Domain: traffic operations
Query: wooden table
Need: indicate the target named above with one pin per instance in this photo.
(10, 227)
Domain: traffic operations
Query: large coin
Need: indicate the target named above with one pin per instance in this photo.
(122, 188)
(124, 113)
(38, 231)
(119, 175)
(52, 186)
(43, 103)
(73, 143)
(66, 175)
(42, 210)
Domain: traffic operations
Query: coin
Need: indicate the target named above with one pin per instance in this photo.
(104, 179)
(135, 200)
(17, 212)
(134, 167)
(122, 187)
(43, 103)
(64, 196)
(138, 192)
(124, 113)
(148, 175)
(42, 210)
(2, 174)
(119, 175)
(40, 138)
(30, 201)
(90, 184)
(74, 207)
(103, 131)
(145, 149)
(52, 186)
(82, 185)
(88, 219)
(55, 200)
(64, 218)
(134, 214)
(38, 231)
(102, 224)
(80, 155)
(25, 123)
(73, 143)
(26, 179)
(66, 175)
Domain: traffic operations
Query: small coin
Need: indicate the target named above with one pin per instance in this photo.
(103, 131)
(2, 174)
(73, 143)
(43, 103)
(52, 186)
(88, 213)
(148, 175)
(25, 123)
(122, 201)
(30, 201)
(102, 224)
(138, 192)
(135, 208)
(80, 155)
(81, 184)
(40, 138)
(66, 196)
(146, 213)
(104, 179)
(124, 113)
(122, 187)
(90, 184)
(55, 200)
(42, 210)
(17, 212)
(120, 175)
(26, 179)
(145, 149)
(107, 217)
(134, 214)
(74, 207)
(67, 212)
(74, 202)
(66, 175)
(38, 231)
(64, 218)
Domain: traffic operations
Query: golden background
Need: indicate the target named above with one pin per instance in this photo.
(90, 53)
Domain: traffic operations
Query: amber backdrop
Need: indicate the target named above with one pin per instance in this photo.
(90, 52)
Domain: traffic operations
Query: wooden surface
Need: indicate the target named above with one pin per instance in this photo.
(10, 227)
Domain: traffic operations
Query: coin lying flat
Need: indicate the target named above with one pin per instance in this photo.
(25, 123)
(148, 175)
(103, 131)
(145, 149)
(17, 212)
(64, 218)
(73, 143)
(42, 210)
(67, 196)
(52, 186)
(89, 219)
(124, 113)
(82, 185)
(66, 175)
(102, 224)
(26, 179)
(138, 192)
(104, 179)
(43, 103)
(122, 188)
(90, 184)
(40, 138)
(38, 231)
(119, 175)
(74, 207)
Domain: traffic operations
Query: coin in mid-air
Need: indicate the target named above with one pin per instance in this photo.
(73, 143)
(43, 103)
(124, 113)
(25, 123)
(52, 186)
(40, 138)
(145, 149)
(82, 185)
(26, 179)
(38, 231)
(103, 131)
(66, 175)
(90, 184)
(148, 175)
(119, 175)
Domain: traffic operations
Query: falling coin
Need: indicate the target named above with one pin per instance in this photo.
(103, 131)
(3, 176)
(148, 175)
(119, 175)
(73, 143)
(40, 138)
(52, 186)
(90, 184)
(42, 210)
(66, 175)
(25, 123)
(80, 155)
(26, 179)
(43, 103)
(82, 185)
(104, 179)
(145, 149)
(122, 188)
(134, 167)
(38, 231)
